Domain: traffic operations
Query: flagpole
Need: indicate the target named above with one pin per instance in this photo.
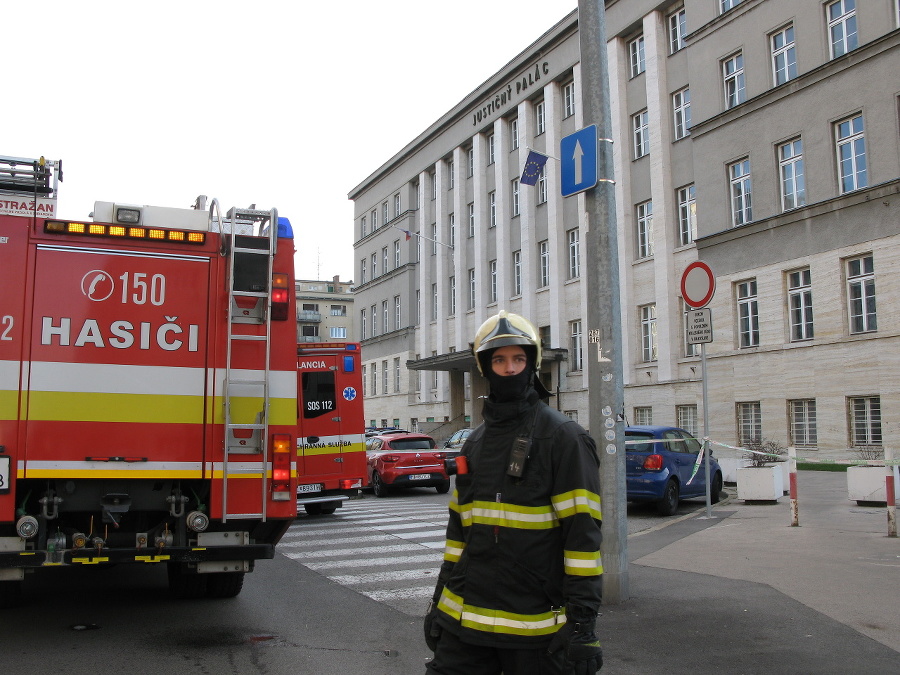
(422, 236)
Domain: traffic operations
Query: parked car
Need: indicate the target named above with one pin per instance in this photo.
(453, 445)
(658, 467)
(405, 459)
(375, 431)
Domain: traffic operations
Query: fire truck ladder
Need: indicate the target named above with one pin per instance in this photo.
(252, 252)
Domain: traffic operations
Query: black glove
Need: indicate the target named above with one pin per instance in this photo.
(581, 644)
(432, 627)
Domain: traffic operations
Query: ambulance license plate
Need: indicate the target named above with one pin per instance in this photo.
(4, 474)
(420, 476)
(314, 487)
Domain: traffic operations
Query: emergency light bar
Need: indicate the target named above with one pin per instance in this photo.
(124, 231)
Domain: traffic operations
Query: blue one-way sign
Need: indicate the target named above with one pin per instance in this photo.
(578, 161)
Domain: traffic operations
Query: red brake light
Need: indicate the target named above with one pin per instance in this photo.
(279, 297)
(390, 458)
(281, 458)
(653, 462)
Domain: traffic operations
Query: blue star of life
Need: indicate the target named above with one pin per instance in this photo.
(349, 393)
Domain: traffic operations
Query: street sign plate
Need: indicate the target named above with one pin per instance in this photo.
(699, 326)
(698, 284)
(578, 161)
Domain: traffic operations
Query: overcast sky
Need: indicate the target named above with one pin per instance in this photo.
(288, 104)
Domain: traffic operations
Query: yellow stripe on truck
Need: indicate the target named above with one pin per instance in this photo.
(72, 406)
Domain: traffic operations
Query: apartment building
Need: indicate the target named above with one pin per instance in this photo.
(760, 136)
(325, 310)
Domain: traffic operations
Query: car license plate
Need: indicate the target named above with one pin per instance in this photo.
(4, 474)
(420, 476)
(315, 487)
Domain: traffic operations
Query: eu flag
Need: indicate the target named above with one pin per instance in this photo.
(534, 163)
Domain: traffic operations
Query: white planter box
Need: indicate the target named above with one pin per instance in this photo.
(761, 483)
(866, 484)
(729, 466)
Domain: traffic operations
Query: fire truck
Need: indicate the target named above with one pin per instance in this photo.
(331, 457)
(148, 387)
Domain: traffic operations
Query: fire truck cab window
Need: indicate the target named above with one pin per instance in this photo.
(318, 394)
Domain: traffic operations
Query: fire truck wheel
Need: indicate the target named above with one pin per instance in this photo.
(378, 486)
(224, 584)
(185, 584)
(10, 593)
(443, 488)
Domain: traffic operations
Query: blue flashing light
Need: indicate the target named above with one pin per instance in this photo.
(284, 228)
(349, 364)
(351, 347)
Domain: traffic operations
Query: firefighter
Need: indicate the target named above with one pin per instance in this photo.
(519, 589)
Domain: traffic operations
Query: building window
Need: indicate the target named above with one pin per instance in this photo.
(542, 187)
(861, 294)
(396, 375)
(491, 154)
(749, 423)
(515, 197)
(574, 261)
(396, 204)
(339, 310)
(686, 418)
(471, 289)
(470, 161)
(471, 209)
(396, 253)
(434, 302)
(374, 216)
(397, 312)
(687, 215)
(784, 56)
(374, 260)
(362, 324)
(309, 331)
(640, 125)
(374, 310)
(492, 209)
(362, 226)
(384, 378)
(451, 175)
(733, 74)
(434, 239)
(865, 421)
(540, 118)
(568, 99)
(373, 385)
(729, 4)
(572, 415)
(544, 257)
(803, 423)
(644, 219)
(636, 54)
(433, 178)
(452, 296)
(385, 317)
(842, 27)
(514, 134)
(451, 219)
(681, 111)
(576, 358)
(851, 153)
(793, 181)
(800, 305)
(384, 259)
(741, 209)
(493, 273)
(384, 214)
(690, 348)
(517, 272)
(337, 332)
(643, 414)
(362, 271)
(677, 30)
(748, 314)
(649, 347)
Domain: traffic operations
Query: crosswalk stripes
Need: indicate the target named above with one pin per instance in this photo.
(389, 551)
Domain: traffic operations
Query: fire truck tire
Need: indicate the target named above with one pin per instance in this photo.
(378, 486)
(224, 584)
(10, 593)
(185, 584)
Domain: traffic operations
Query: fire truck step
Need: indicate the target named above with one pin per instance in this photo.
(258, 338)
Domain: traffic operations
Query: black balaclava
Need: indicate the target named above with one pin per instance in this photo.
(507, 388)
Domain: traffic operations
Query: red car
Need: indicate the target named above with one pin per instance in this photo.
(404, 459)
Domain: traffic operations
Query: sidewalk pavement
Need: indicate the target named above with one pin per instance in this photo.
(744, 592)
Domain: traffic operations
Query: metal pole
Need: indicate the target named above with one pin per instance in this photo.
(601, 287)
(705, 426)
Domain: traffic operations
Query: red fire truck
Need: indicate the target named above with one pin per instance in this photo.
(331, 457)
(148, 388)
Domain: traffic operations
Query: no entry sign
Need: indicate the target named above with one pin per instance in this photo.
(698, 284)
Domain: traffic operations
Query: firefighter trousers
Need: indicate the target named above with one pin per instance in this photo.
(454, 657)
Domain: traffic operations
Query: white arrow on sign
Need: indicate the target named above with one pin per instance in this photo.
(578, 154)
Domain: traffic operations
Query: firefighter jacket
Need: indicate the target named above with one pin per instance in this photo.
(519, 550)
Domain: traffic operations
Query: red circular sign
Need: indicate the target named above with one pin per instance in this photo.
(698, 284)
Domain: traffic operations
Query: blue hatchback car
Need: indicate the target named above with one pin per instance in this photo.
(658, 466)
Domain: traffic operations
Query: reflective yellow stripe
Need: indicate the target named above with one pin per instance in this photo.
(453, 550)
(496, 621)
(59, 406)
(583, 563)
(502, 514)
(577, 501)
